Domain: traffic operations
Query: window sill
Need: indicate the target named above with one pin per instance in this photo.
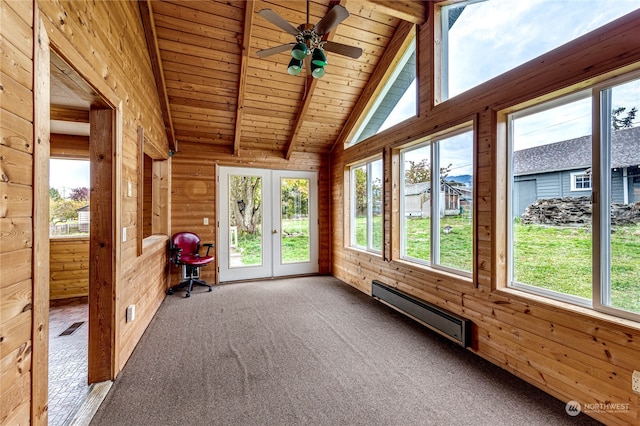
(69, 237)
(153, 241)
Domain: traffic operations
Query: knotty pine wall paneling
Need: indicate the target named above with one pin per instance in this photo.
(69, 267)
(569, 352)
(104, 43)
(16, 210)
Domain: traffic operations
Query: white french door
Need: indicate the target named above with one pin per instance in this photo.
(268, 223)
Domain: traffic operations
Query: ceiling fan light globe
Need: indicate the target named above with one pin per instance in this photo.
(299, 51)
(295, 67)
(317, 71)
(319, 57)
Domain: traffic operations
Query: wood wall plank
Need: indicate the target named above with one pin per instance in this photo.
(69, 266)
(15, 132)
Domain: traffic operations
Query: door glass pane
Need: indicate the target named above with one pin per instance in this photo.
(294, 220)
(245, 221)
(624, 178)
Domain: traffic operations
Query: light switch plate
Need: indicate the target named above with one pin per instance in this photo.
(124, 235)
(635, 382)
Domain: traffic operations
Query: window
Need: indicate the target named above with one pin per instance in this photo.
(436, 225)
(366, 206)
(69, 197)
(570, 245)
(580, 181)
(397, 100)
(482, 39)
(152, 192)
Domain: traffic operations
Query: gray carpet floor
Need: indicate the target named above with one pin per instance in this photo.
(310, 351)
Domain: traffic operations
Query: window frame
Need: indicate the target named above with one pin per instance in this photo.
(433, 141)
(160, 185)
(441, 48)
(579, 176)
(600, 194)
(384, 86)
(352, 243)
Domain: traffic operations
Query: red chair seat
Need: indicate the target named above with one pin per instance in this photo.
(195, 260)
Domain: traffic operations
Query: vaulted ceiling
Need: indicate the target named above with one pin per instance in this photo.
(215, 90)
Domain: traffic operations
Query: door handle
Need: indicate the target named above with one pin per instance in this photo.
(275, 231)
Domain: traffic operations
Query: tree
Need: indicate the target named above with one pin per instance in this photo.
(623, 123)
(418, 172)
(54, 194)
(245, 203)
(295, 197)
(79, 194)
(361, 190)
(421, 172)
(64, 209)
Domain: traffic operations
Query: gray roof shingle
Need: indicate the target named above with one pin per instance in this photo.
(576, 154)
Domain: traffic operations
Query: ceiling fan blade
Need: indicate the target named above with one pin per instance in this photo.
(273, 50)
(278, 21)
(331, 20)
(342, 49)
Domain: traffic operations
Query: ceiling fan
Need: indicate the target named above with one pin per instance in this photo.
(309, 44)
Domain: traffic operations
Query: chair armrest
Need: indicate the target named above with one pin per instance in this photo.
(209, 246)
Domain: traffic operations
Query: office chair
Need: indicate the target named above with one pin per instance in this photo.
(184, 251)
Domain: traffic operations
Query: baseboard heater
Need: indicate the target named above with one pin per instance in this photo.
(449, 325)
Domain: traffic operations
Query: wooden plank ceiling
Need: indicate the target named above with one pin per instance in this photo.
(217, 91)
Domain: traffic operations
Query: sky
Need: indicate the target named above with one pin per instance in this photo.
(65, 175)
(494, 36)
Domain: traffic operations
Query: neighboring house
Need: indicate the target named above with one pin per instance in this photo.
(563, 169)
(83, 218)
(417, 199)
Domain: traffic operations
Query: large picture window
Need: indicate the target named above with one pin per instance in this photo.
(575, 214)
(436, 210)
(366, 205)
(482, 39)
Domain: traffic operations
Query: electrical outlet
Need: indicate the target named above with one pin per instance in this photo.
(635, 382)
(206, 221)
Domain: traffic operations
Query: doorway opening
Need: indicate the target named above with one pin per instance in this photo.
(80, 351)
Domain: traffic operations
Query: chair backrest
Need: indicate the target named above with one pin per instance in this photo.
(187, 241)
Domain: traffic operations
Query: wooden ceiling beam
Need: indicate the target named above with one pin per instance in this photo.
(148, 24)
(64, 113)
(401, 39)
(246, 42)
(310, 87)
(414, 11)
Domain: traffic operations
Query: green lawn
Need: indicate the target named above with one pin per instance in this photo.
(553, 258)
